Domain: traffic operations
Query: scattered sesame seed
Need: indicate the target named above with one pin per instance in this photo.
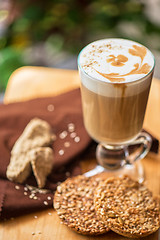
(61, 152)
(50, 214)
(35, 197)
(45, 203)
(77, 139)
(63, 134)
(49, 198)
(25, 189)
(50, 108)
(33, 233)
(71, 127)
(25, 193)
(39, 232)
(73, 135)
(17, 187)
(35, 217)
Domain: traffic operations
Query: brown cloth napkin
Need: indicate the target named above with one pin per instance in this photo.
(59, 111)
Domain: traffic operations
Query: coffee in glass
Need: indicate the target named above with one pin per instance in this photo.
(116, 76)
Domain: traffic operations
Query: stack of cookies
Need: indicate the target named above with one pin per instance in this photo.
(96, 205)
(32, 152)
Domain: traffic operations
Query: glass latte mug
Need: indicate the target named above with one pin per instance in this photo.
(116, 75)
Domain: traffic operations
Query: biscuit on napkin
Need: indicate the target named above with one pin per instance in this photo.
(32, 149)
(37, 133)
(41, 161)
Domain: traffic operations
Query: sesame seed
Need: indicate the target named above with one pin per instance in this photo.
(17, 187)
(50, 214)
(49, 198)
(45, 203)
(25, 189)
(71, 127)
(63, 134)
(25, 193)
(33, 233)
(50, 108)
(61, 152)
(35, 217)
(35, 197)
(77, 139)
(73, 135)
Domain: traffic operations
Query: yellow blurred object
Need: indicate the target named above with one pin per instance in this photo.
(32, 82)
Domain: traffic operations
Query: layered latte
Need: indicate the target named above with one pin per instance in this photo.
(116, 75)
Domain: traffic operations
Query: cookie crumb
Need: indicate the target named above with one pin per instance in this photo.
(67, 144)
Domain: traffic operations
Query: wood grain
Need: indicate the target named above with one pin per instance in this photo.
(23, 85)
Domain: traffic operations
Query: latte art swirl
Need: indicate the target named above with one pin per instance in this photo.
(116, 60)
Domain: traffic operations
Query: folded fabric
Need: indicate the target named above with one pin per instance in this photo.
(64, 114)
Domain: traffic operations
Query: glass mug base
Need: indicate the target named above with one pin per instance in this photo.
(119, 160)
(135, 171)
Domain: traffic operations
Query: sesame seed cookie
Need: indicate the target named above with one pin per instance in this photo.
(73, 202)
(127, 207)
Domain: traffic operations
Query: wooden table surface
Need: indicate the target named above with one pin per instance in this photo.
(31, 82)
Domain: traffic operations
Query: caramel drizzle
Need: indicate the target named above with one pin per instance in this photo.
(117, 61)
(121, 59)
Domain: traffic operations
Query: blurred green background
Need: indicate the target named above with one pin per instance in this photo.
(52, 32)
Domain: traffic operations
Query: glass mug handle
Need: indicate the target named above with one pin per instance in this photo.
(145, 142)
(114, 157)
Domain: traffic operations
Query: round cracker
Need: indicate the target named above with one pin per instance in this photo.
(127, 207)
(74, 203)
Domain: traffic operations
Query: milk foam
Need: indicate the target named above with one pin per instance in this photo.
(116, 60)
